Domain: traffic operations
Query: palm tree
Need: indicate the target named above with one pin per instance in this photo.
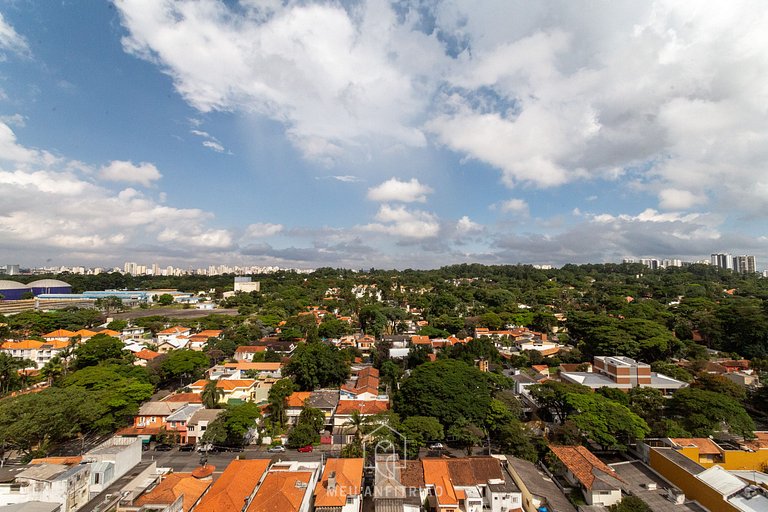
(53, 369)
(212, 394)
(358, 424)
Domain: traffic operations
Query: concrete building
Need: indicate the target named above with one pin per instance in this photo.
(745, 264)
(245, 285)
(111, 460)
(50, 483)
(722, 260)
(622, 373)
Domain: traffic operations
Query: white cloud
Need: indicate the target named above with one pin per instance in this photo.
(401, 191)
(54, 205)
(514, 205)
(401, 222)
(10, 40)
(465, 226)
(128, 172)
(262, 229)
(676, 199)
(213, 145)
(336, 78)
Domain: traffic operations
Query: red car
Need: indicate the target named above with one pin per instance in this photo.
(305, 449)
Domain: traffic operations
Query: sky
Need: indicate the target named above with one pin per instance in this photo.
(401, 134)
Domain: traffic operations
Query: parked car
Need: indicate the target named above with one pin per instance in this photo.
(163, 447)
(436, 446)
(187, 448)
(276, 449)
(306, 449)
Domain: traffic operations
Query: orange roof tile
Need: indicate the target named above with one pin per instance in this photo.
(760, 442)
(366, 407)
(246, 349)
(23, 345)
(146, 354)
(171, 487)
(297, 398)
(59, 333)
(420, 340)
(436, 474)
(349, 479)
(177, 329)
(226, 384)
(233, 486)
(109, 332)
(85, 333)
(192, 398)
(279, 492)
(705, 445)
(582, 463)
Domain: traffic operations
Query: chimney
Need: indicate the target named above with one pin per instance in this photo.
(332, 481)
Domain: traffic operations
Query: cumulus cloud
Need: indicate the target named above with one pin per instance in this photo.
(514, 205)
(262, 229)
(128, 172)
(401, 191)
(335, 78)
(51, 203)
(402, 222)
(466, 226)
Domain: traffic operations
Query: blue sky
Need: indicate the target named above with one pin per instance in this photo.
(387, 134)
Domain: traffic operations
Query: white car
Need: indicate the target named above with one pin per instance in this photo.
(276, 449)
(436, 446)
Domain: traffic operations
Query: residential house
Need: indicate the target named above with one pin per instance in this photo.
(714, 488)
(598, 482)
(50, 483)
(232, 391)
(324, 399)
(198, 340)
(84, 335)
(538, 490)
(287, 487)
(40, 352)
(365, 343)
(247, 352)
(340, 488)
(144, 356)
(109, 332)
(366, 408)
(748, 378)
(235, 485)
(59, 335)
(176, 423)
(132, 331)
(151, 419)
(173, 487)
(469, 484)
(397, 484)
(245, 369)
(198, 423)
(622, 373)
(173, 332)
(363, 384)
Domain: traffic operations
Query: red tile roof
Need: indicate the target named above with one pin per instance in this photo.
(281, 491)
(366, 407)
(349, 479)
(171, 487)
(233, 486)
(582, 463)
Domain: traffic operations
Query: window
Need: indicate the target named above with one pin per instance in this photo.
(96, 478)
(202, 427)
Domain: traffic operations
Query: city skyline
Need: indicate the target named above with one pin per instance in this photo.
(381, 134)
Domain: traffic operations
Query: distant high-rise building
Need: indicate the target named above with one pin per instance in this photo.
(722, 260)
(744, 264)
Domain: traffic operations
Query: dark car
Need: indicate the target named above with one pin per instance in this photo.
(306, 449)
(163, 448)
(187, 448)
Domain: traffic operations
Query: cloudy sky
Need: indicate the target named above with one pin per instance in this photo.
(410, 133)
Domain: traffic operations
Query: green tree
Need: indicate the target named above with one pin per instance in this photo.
(278, 393)
(420, 430)
(212, 394)
(630, 504)
(166, 299)
(184, 365)
(466, 434)
(98, 349)
(447, 390)
(109, 304)
(315, 365)
(702, 413)
(604, 421)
